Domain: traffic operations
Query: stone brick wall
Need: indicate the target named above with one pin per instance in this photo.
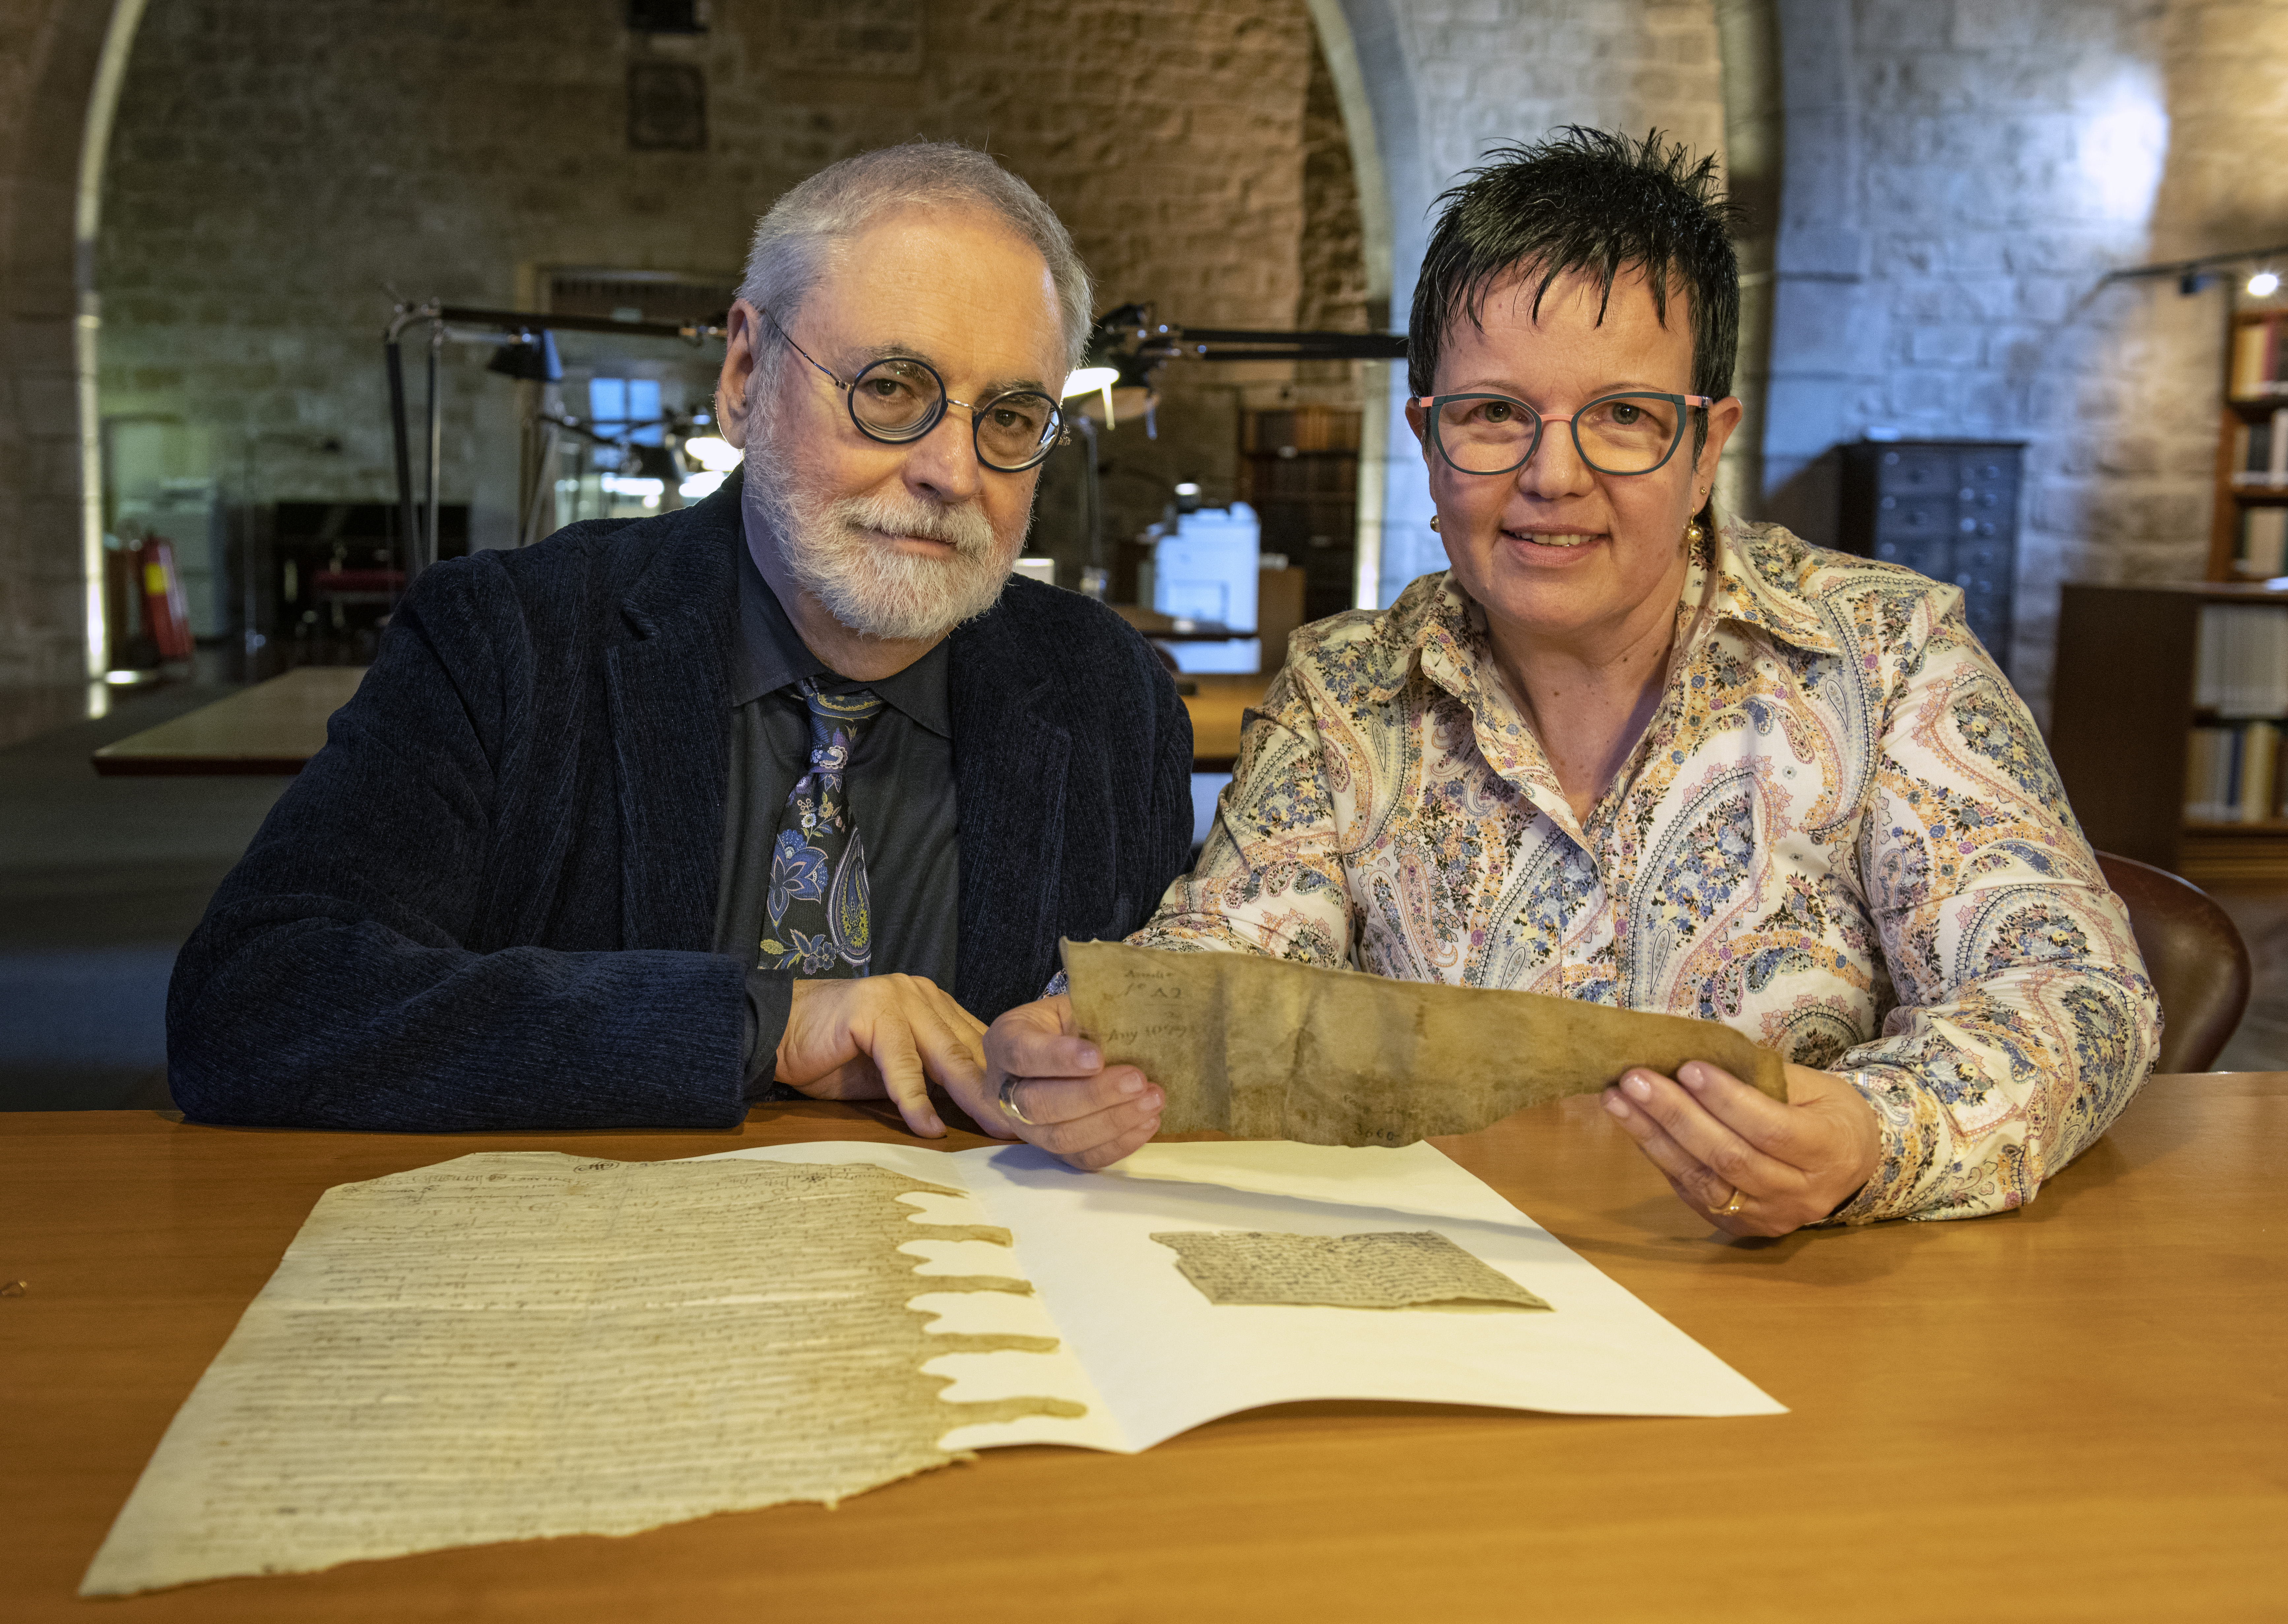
(275, 160)
(1942, 266)
(1331, 273)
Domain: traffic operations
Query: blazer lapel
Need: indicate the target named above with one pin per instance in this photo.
(667, 689)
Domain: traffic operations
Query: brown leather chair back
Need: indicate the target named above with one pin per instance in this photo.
(2194, 954)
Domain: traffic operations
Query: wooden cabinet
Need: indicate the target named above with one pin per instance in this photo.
(1299, 471)
(1944, 507)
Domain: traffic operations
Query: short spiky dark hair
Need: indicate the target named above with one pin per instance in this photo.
(1590, 201)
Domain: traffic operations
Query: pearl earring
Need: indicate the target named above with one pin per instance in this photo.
(1434, 521)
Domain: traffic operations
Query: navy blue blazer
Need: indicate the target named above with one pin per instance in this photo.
(489, 901)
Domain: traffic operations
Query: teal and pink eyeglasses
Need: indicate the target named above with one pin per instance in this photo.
(1629, 434)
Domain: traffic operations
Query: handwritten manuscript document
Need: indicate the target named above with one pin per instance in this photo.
(1264, 1049)
(513, 1346)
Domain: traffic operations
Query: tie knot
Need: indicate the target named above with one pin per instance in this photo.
(835, 720)
(853, 706)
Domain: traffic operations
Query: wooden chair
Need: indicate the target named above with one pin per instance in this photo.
(2197, 962)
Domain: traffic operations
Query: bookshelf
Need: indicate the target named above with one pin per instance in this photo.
(2169, 714)
(2133, 693)
(2248, 538)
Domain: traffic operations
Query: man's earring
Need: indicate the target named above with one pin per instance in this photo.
(1434, 521)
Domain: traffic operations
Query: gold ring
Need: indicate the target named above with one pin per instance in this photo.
(1733, 1206)
(1009, 1102)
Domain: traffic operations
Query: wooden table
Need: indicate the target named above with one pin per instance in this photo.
(273, 727)
(2071, 1411)
(1218, 704)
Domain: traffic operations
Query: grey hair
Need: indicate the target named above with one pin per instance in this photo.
(795, 240)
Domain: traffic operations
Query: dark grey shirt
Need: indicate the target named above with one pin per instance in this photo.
(901, 795)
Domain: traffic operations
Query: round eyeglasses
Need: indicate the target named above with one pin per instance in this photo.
(900, 397)
(1629, 434)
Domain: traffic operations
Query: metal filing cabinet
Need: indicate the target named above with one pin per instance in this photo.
(1944, 507)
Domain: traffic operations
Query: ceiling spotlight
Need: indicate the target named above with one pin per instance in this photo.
(2264, 284)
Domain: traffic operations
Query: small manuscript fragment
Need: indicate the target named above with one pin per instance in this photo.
(1382, 1269)
(1265, 1048)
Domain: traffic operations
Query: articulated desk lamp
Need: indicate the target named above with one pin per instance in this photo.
(528, 352)
(1127, 348)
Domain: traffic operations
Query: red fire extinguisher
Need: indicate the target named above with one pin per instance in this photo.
(166, 611)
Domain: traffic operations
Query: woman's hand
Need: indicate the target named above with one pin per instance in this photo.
(1719, 1142)
(1073, 1104)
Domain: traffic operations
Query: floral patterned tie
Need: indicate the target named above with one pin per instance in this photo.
(820, 925)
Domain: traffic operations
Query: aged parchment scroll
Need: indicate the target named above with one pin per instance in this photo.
(1264, 1049)
(514, 1345)
(1382, 1269)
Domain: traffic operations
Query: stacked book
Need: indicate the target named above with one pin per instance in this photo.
(2259, 361)
(2242, 669)
(2259, 452)
(2232, 773)
(2263, 543)
(2232, 767)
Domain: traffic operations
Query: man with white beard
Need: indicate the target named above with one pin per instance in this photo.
(794, 790)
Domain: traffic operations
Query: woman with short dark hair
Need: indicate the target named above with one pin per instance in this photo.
(1623, 752)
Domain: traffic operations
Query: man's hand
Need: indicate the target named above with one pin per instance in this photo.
(882, 1035)
(1719, 1142)
(1075, 1106)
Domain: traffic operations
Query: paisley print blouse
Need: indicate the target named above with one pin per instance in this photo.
(1840, 835)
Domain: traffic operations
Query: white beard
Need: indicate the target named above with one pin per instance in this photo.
(840, 552)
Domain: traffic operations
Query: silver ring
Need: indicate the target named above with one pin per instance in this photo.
(1009, 1102)
(1732, 1207)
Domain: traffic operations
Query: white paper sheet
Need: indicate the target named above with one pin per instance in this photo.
(1152, 1358)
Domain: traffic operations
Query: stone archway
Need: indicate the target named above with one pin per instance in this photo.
(1426, 89)
(55, 115)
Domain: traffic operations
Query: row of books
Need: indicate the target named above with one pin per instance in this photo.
(2259, 360)
(2259, 451)
(2242, 666)
(2232, 773)
(2263, 549)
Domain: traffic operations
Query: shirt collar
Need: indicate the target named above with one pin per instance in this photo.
(1762, 577)
(770, 655)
